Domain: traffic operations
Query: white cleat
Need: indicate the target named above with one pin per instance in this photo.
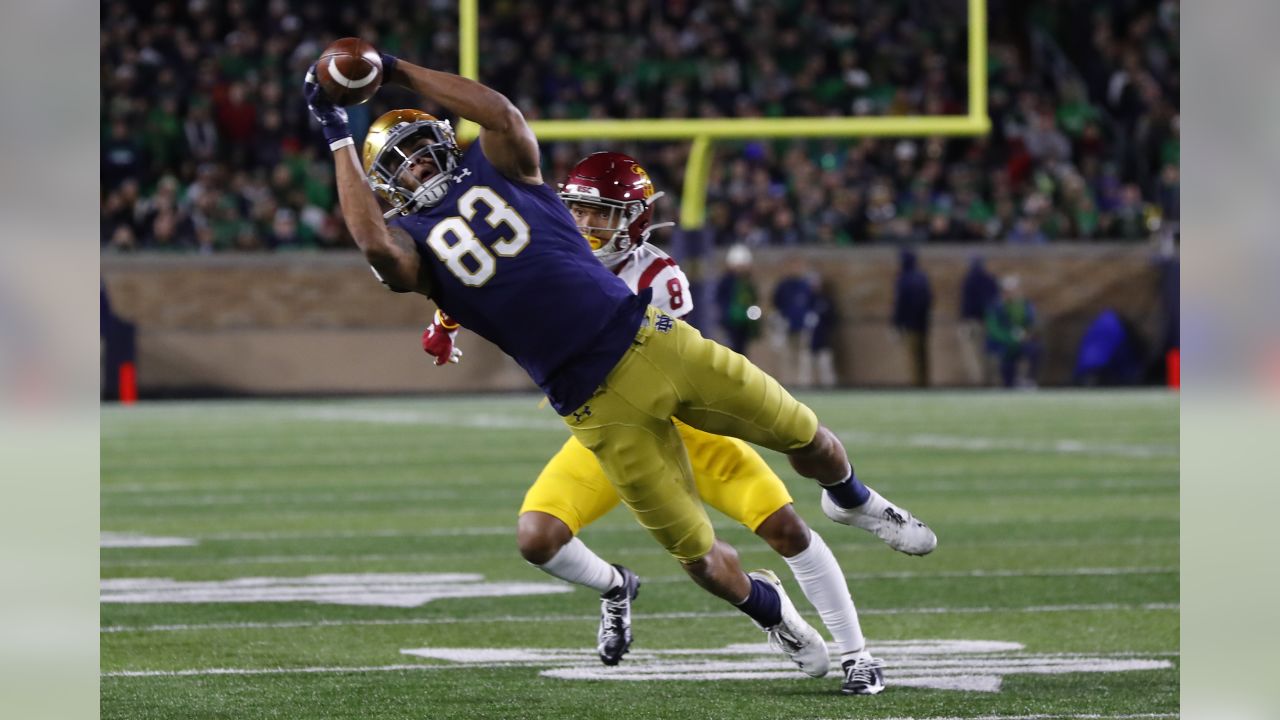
(794, 637)
(897, 527)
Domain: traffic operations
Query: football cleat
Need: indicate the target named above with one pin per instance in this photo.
(897, 527)
(862, 676)
(794, 637)
(613, 640)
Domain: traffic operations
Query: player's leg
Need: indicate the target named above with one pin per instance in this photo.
(822, 580)
(627, 424)
(570, 493)
(734, 479)
(722, 393)
(818, 573)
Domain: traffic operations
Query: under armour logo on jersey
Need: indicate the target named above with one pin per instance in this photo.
(457, 177)
(582, 414)
(664, 324)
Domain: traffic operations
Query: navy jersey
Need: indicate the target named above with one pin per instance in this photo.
(506, 261)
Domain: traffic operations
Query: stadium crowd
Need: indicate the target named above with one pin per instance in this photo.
(206, 145)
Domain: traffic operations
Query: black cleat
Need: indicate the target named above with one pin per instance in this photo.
(862, 676)
(614, 637)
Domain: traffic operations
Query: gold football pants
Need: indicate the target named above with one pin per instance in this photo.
(672, 371)
(730, 476)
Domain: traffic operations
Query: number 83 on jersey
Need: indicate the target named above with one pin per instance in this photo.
(453, 240)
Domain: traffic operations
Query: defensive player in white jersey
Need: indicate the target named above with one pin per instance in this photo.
(611, 198)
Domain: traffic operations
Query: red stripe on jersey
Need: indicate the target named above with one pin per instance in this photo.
(652, 271)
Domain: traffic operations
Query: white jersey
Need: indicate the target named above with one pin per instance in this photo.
(649, 267)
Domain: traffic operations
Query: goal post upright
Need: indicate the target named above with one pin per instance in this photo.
(703, 132)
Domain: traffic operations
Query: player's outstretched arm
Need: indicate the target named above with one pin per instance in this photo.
(505, 137)
(389, 251)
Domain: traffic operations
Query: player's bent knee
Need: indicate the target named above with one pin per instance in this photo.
(817, 447)
(540, 536)
(702, 567)
(823, 459)
(785, 531)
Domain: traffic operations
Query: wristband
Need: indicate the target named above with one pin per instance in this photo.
(388, 63)
(340, 143)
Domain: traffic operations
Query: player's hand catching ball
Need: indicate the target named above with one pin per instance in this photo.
(332, 119)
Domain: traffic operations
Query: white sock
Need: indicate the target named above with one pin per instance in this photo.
(846, 657)
(576, 563)
(823, 583)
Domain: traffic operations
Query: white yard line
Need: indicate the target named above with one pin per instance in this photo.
(348, 534)
(832, 534)
(243, 491)
(256, 560)
(903, 471)
(278, 558)
(486, 421)
(303, 497)
(479, 420)
(964, 443)
(1008, 666)
(138, 540)
(281, 558)
(911, 575)
(202, 672)
(292, 624)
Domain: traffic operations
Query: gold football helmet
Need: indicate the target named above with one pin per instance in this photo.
(409, 157)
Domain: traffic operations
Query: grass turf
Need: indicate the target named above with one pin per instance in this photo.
(1057, 515)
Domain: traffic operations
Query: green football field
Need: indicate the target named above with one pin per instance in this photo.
(356, 559)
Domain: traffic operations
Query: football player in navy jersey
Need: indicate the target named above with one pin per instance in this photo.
(611, 198)
(482, 235)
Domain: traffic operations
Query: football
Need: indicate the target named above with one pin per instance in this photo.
(349, 71)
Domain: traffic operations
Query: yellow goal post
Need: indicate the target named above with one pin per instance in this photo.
(702, 132)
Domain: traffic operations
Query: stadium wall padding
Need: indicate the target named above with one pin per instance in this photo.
(302, 323)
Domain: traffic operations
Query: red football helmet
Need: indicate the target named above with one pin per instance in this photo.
(611, 198)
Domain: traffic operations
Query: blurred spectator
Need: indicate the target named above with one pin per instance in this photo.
(284, 231)
(1110, 352)
(978, 292)
(122, 156)
(122, 239)
(1011, 334)
(170, 232)
(821, 344)
(1085, 141)
(199, 132)
(736, 299)
(1027, 231)
(794, 298)
(912, 303)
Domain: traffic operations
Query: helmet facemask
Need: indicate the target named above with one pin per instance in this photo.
(611, 239)
(410, 147)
